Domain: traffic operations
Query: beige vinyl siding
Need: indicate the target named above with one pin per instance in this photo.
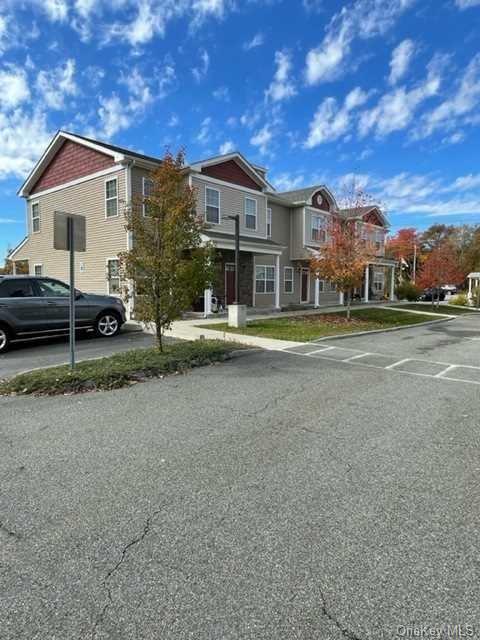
(106, 237)
(232, 202)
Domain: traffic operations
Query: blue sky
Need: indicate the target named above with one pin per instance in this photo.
(316, 90)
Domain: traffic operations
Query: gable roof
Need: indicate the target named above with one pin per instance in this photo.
(255, 171)
(361, 212)
(304, 196)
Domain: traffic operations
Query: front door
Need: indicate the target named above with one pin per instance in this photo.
(229, 283)
(305, 282)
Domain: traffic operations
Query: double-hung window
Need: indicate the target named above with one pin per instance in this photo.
(111, 198)
(379, 239)
(251, 214)
(378, 281)
(35, 217)
(37, 270)
(264, 279)
(288, 279)
(318, 229)
(147, 192)
(113, 276)
(212, 205)
(269, 223)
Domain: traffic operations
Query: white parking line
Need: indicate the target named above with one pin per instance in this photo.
(396, 364)
(360, 355)
(449, 368)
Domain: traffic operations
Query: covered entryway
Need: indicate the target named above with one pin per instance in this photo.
(305, 285)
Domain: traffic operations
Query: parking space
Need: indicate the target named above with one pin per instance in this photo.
(451, 351)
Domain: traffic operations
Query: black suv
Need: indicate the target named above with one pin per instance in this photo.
(33, 307)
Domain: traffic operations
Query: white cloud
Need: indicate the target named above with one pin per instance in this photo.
(222, 93)
(262, 139)
(23, 138)
(456, 109)
(396, 109)
(3, 33)
(454, 138)
(467, 4)
(57, 10)
(465, 183)
(331, 122)
(201, 70)
(203, 136)
(226, 147)
(287, 182)
(114, 116)
(85, 7)
(257, 41)
(13, 87)
(362, 19)
(401, 57)
(56, 84)
(174, 120)
(282, 86)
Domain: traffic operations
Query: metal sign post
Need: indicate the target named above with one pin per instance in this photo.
(69, 234)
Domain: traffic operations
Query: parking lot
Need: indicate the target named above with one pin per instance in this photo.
(450, 350)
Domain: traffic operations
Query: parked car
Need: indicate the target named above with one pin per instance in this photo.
(33, 307)
(450, 289)
(438, 294)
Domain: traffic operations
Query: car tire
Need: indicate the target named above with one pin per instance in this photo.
(4, 338)
(107, 324)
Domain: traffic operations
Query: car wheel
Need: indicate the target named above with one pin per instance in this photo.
(4, 338)
(107, 324)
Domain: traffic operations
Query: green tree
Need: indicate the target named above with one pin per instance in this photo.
(168, 267)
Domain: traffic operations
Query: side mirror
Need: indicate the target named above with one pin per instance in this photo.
(78, 295)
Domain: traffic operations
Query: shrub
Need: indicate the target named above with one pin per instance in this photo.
(460, 299)
(408, 291)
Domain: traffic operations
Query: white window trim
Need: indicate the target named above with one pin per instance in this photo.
(312, 228)
(207, 187)
(144, 181)
(107, 261)
(38, 217)
(38, 264)
(115, 178)
(269, 222)
(264, 266)
(245, 213)
(292, 280)
(378, 278)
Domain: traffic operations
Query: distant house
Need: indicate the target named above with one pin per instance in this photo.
(279, 230)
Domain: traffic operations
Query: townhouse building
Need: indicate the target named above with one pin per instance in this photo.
(278, 230)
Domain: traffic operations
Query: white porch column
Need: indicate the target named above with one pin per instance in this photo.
(14, 267)
(317, 293)
(341, 298)
(469, 288)
(392, 285)
(277, 282)
(367, 282)
(207, 299)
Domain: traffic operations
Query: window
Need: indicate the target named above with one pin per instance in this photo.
(318, 229)
(288, 279)
(37, 269)
(111, 198)
(212, 205)
(53, 289)
(35, 217)
(147, 191)
(264, 279)
(378, 280)
(16, 289)
(113, 276)
(269, 223)
(379, 239)
(251, 214)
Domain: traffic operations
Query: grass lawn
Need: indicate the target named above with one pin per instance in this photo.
(452, 310)
(311, 327)
(118, 370)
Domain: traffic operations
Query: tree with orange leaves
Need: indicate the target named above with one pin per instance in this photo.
(344, 257)
(441, 266)
(404, 247)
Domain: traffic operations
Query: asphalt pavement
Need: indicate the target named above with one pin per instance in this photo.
(24, 356)
(270, 497)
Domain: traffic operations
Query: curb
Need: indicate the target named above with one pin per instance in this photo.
(365, 333)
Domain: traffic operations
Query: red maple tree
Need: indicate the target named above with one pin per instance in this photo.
(441, 266)
(404, 247)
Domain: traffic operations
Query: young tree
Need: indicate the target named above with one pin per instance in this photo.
(167, 265)
(405, 247)
(441, 266)
(344, 257)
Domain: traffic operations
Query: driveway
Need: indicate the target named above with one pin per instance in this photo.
(271, 497)
(24, 356)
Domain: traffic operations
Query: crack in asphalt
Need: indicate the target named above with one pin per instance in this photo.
(344, 631)
(116, 567)
(9, 532)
